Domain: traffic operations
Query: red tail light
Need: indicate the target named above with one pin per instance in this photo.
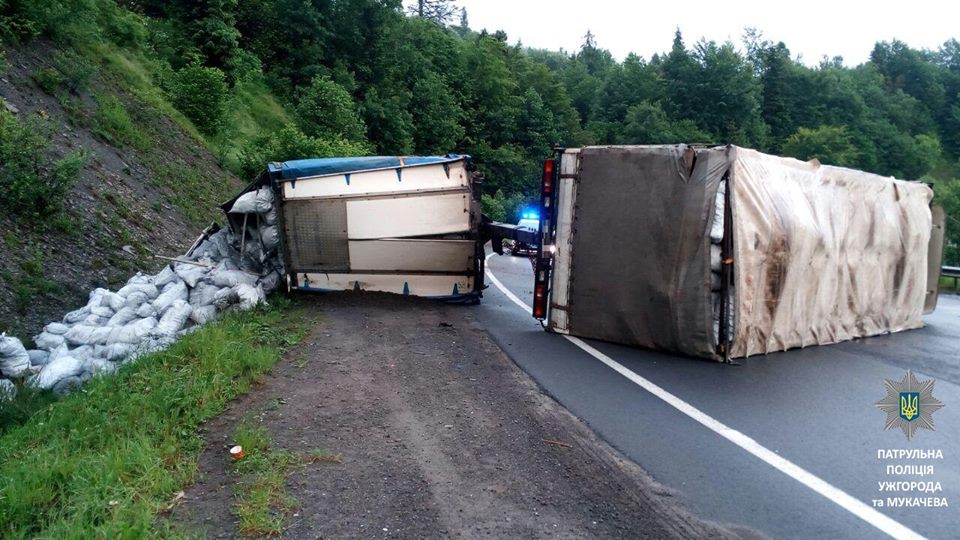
(540, 301)
(548, 166)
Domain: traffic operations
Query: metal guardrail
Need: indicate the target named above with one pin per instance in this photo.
(951, 272)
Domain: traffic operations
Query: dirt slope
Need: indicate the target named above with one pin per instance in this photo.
(130, 200)
(441, 435)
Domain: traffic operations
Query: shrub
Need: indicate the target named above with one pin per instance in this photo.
(32, 182)
(48, 79)
(324, 109)
(291, 143)
(76, 71)
(115, 125)
(201, 94)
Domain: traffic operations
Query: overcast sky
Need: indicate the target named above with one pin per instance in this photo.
(810, 28)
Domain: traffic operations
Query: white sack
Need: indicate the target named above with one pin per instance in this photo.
(55, 371)
(8, 390)
(232, 278)
(56, 328)
(203, 294)
(76, 316)
(719, 203)
(190, 273)
(48, 341)
(82, 352)
(102, 311)
(38, 357)
(83, 334)
(97, 366)
(122, 317)
(113, 301)
(714, 258)
(225, 298)
(96, 296)
(245, 204)
(270, 236)
(148, 289)
(165, 277)
(174, 319)
(203, 314)
(146, 311)
(140, 277)
(174, 292)
(135, 299)
(132, 333)
(249, 296)
(263, 202)
(14, 360)
(114, 352)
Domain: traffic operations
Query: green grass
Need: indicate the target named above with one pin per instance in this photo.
(195, 196)
(261, 502)
(113, 124)
(949, 285)
(103, 462)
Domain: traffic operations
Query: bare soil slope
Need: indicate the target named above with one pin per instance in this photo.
(441, 435)
(129, 202)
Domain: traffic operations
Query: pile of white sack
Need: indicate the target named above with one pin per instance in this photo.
(716, 239)
(223, 271)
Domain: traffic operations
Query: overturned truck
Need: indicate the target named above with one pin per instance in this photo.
(726, 252)
(406, 225)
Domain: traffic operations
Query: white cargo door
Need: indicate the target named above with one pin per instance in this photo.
(420, 215)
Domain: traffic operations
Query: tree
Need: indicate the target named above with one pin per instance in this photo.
(438, 11)
(831, 145)
(325, 110)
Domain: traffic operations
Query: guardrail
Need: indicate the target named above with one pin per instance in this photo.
(951, 272)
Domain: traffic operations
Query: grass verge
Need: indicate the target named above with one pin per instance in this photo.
(261, 502)
(102, 462)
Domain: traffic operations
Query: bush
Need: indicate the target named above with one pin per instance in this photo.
(115, 125)
(201, 94)
(324, 109)
(48, 79)
(32, 183)
(291, 143)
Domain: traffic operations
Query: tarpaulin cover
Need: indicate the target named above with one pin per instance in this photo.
(824, 254)
(321, 166)
(821, 254)
(641, 255)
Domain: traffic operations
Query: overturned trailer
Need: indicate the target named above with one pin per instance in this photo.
(406, 225)
(727, 252)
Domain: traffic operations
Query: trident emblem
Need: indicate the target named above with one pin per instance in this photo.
(909, 405)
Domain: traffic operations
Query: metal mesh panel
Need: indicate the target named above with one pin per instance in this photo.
(316, 233)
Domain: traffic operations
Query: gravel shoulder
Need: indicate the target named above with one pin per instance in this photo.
(440, 433)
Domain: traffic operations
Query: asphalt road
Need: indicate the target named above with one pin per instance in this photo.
(813, 407)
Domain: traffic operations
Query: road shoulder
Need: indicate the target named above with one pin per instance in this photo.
(440, 434)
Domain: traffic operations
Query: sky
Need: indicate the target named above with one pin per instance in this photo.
(810, 28)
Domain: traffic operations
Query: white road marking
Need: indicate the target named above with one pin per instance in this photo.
(837, 495)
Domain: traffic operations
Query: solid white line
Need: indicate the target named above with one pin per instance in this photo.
(837, 495)
(506, 291)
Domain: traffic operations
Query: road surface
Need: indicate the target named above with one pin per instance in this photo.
(786, 443)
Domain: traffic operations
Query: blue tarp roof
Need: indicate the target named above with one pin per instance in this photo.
(300, 168)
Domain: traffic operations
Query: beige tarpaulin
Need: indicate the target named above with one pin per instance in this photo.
(823, 254)
(820, 254)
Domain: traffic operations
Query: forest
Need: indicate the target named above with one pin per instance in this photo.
(266, 80)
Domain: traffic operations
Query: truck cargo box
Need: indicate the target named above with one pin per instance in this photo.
(727, 252)
(407, 225)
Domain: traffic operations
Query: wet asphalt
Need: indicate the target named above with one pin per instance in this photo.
(814, 407)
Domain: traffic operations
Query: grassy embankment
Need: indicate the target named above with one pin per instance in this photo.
(105, 461)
